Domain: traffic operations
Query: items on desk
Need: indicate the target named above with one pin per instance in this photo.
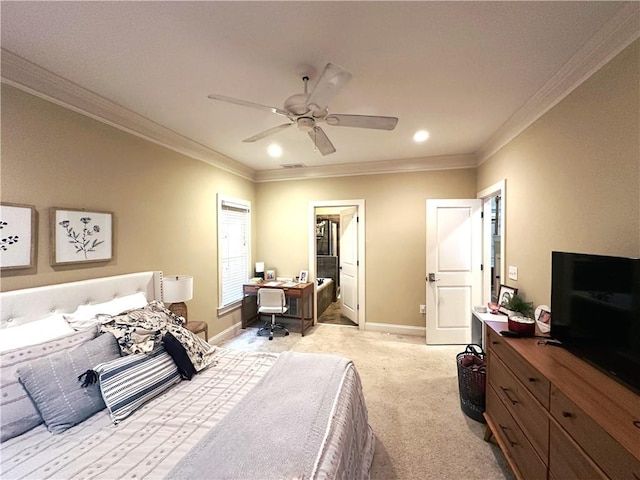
(270, 275)
(259, 272)
(272, 284)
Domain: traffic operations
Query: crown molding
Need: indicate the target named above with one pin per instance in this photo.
(422, 164)
(31, 78)
(616, 35)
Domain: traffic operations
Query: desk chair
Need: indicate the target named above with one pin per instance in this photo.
(272, 300)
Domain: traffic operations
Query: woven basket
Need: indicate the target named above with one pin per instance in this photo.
(472, 378)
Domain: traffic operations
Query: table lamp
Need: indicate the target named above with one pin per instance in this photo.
(177, 289)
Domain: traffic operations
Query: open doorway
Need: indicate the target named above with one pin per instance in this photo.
(494, 208)
(336, 261)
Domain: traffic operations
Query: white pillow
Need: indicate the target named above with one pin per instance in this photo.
(85, 315)
(43, 330)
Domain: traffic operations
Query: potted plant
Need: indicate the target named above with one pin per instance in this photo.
(521, 315)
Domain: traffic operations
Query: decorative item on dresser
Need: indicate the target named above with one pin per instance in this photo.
(177, 289)
(555, 416)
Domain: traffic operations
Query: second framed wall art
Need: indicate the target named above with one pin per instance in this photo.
(80, 236)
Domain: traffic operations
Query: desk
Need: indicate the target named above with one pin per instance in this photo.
(302, 291)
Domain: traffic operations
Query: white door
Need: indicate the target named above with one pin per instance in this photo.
(454, 277)
(349, 263)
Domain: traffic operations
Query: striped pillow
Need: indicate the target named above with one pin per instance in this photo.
(129, 382)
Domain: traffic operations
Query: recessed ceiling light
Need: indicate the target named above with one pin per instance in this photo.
(274, 150)
(420, 136)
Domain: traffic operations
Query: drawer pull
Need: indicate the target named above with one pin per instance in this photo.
(637, 424)
(567, 414)
(532, 379)
(504, 432)
(506, 394)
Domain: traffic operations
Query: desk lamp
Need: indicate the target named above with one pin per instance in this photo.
(177, 289)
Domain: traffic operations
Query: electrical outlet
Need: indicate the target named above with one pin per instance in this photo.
(513, 273)
(423, 309)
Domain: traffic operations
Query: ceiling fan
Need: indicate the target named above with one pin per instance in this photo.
(307, 110)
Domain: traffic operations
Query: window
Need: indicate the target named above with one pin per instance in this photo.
(234, 233)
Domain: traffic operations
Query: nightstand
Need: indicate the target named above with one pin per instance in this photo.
(198, 327)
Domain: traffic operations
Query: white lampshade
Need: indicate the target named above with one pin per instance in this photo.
(177, 288)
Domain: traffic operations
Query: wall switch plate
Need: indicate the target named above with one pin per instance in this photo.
(423, 309)
(513, 273)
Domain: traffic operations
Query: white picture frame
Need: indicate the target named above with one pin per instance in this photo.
(80, 236)
(304, 276)
(17, 236)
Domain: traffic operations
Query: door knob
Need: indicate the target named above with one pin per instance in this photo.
(432, 278)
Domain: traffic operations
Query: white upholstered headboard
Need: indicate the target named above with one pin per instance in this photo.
(18, 307)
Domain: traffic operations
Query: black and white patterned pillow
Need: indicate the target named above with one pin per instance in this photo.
(129, 382)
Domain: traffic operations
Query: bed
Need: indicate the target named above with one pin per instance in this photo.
(244, 415)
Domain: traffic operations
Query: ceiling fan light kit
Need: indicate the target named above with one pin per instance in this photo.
(306, 110)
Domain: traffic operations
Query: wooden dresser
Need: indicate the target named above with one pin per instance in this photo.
(555, 416)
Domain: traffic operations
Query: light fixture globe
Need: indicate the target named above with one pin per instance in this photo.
(305, 124)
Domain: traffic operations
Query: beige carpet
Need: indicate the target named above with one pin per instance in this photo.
(411, 391)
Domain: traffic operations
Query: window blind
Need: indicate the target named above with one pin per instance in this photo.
(233, 248)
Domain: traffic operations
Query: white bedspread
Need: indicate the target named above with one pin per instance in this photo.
(150, 442)
(154, 439)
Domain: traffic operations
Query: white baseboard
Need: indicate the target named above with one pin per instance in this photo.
(236, 329)
(226, 334)
(396, 329)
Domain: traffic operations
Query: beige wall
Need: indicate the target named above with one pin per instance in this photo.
(164, 203)
(395, 207)
(573, 177)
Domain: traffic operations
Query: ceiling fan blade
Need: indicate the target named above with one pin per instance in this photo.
(362, 121)
(331, 81)
(321, 141)
(266, 133)
(245, 103)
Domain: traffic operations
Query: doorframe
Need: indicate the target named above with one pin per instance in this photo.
(359, 204)
(499, 188)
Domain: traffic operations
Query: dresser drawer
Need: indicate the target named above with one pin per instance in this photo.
(522, 406)
(607, 453)
(567, 461)
(535, 382)
(513, 439)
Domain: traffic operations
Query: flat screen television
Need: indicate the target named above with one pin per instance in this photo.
(595, 311)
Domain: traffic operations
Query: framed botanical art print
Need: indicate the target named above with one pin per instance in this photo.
(80, 236)
(18, 236)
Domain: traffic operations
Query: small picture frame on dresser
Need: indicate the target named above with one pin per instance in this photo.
(504, 296)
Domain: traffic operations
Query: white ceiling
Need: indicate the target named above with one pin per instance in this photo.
(473, 74)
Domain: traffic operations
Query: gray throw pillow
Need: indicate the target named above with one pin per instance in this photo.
(52, 383)
(19, 413)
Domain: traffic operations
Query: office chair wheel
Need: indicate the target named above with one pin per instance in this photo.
(286, 333)
(271, 338)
